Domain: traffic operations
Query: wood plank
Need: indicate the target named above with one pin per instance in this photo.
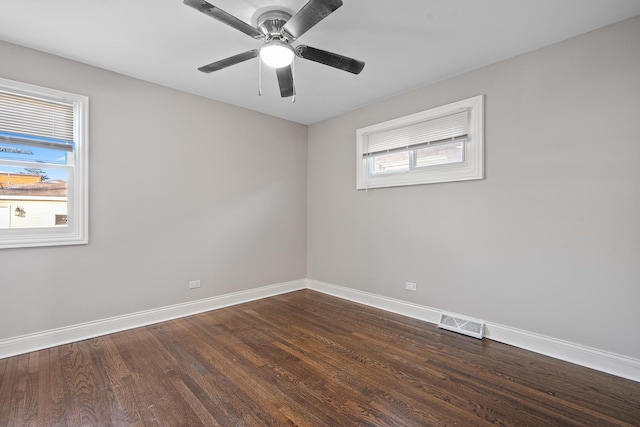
(51, 394)
(306, 359)
(112, 372)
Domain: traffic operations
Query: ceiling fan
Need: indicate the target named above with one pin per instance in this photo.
(277, 29)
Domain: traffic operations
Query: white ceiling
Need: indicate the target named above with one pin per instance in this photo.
(406, 44)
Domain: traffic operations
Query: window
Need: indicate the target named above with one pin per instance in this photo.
(443, 144)
(43, 166)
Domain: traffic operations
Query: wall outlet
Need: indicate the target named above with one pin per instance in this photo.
(411, 286)
(194, 284)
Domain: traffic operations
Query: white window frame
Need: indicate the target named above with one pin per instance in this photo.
(471, 168)
(77, 230)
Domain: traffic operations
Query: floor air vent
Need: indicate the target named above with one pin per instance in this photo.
(463, 326)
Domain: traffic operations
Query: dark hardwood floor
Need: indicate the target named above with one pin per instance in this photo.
(304, 359)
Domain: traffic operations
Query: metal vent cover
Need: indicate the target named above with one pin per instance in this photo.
(463, 326)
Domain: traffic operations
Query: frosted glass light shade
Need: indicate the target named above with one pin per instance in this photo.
(276, 54)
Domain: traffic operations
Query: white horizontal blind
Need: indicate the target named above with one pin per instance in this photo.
(35, 117)
(446, 129)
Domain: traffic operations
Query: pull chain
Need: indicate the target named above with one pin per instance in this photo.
(259, 76)
(293, 81)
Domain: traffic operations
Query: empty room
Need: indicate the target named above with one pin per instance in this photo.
(319, 213)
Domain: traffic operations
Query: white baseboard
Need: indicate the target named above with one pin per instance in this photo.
(54, 337)
(615, 364)
(611, 363)
(404, 308)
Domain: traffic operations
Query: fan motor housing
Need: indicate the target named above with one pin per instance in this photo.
(270, 23)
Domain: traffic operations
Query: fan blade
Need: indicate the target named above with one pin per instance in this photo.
(285, 80)
(227, 62)
(310, 14)
(224, 17)
(331, 59)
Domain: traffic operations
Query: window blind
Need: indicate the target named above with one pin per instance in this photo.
(442, 130)
(34, 121)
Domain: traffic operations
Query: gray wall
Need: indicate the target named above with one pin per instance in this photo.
(181, 188)
(549, 242)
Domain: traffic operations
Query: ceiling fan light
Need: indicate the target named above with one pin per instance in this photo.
(276, 54)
